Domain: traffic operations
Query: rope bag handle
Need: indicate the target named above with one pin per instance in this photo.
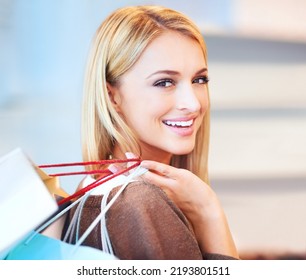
(107, 247)
(98, 182)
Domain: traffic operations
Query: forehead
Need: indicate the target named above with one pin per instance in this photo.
(171, 51)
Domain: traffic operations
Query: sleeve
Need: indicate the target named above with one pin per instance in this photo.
(144, 223)
(211, 256)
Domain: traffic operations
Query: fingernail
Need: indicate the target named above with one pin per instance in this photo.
(129, 155)
(113, 168)
(144, 164)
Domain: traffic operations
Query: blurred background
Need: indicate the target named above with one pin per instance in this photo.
(257, 65)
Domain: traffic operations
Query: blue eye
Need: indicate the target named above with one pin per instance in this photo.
(164, 83)
(201, 80)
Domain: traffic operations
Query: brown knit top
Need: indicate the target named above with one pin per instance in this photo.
(143, 223)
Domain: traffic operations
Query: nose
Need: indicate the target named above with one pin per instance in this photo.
(187, 99)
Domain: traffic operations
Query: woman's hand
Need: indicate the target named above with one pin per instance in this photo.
(199, 204)
(190, 193)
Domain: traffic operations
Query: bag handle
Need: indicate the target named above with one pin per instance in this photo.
(67, 208)
(86, 163)
(136, 173)
(98, 182)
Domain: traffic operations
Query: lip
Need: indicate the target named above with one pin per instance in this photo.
(181, 131)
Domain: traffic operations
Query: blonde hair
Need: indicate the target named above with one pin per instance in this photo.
(117, 45)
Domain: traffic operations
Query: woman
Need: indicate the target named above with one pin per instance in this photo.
(146, 95)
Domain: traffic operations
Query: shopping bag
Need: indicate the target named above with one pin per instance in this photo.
(52, 183)
(41, 247)
(25, 202)
(107, 178)
(45, 246)
(57, 192)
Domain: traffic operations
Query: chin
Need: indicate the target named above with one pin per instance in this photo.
(183, 151)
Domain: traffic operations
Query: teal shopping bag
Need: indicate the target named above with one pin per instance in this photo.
(41, 247)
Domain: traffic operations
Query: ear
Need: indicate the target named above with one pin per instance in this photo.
(114, 96)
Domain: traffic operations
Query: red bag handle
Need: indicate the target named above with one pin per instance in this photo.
(98, 182)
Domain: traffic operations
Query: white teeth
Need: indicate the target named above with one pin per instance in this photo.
(181, 123)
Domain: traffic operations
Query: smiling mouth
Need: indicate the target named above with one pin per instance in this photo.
(182, 124)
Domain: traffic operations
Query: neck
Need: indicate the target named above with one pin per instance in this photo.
(147, 154)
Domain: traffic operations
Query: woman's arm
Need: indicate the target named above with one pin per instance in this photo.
(199, 204)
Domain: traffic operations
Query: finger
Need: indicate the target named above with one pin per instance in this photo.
(130, 155)
(158, 180)
(159, 168)
(114, 168)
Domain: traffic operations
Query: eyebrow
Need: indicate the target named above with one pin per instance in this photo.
(174, 73)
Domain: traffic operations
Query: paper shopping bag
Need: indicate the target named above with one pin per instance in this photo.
(52, 183)
(57, 192)
(25, 201)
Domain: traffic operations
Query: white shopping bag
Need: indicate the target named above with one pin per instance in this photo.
(25, 201)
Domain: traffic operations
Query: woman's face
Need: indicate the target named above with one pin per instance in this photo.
(164, 97)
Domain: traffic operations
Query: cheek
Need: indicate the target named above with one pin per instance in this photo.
(145, 119)
(136, 115)
(146, 108)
